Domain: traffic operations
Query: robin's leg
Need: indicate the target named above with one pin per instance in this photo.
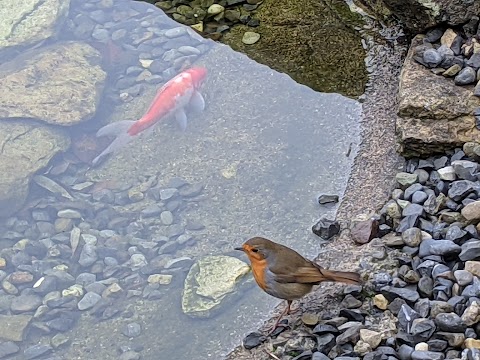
(284, 312)
(292, 310)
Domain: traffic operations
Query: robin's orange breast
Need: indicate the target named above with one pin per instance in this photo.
(258, 269)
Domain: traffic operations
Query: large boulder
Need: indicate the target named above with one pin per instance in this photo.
(419, 15)
(24, 149)
(434, 113)
(59, 84)
(30, 21)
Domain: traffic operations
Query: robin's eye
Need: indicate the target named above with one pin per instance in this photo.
(255, 250)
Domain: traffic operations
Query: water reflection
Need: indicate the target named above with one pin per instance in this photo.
(115, 242)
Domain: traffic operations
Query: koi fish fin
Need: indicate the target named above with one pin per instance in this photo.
(197, 103)
(119, 130)
(116, 128)
(181, 118)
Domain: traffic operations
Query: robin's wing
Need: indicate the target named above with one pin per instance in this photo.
(298, 270)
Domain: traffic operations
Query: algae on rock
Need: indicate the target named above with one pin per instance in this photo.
(312, 41)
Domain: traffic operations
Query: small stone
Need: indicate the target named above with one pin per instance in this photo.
(450, 322)
(473, 267)
(310, 319)
(427, 355)
(166, 217)
(466, 76)
(372, 338)
(36, 351)
(463, 277)
(167, 194)
(364, 230)
(470, 250)
(59, 341)
(380, 302)
(69, 214)
(361, 348)
(162, 279)
(412, 237)
(326, 228)
(135, 195)
(432, 58)
(471, 315)
(253, 340)
(215, 9)
(471, 211)
(25, 303)
(327, 199)
(391, 293)
(452, 70)
(89, 300)
(472, 343)
(447, 173)
(406, 179)
(132, 330)
(422, 346)
(250, 37)
(438, 247)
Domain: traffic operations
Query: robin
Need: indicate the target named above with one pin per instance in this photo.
(285, 274)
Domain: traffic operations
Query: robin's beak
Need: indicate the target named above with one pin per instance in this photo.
(239, 248)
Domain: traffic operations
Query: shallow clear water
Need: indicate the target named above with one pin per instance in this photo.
(255, 159)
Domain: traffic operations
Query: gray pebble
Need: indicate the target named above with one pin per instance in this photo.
(119, 34)
(100, 34)
(166, 217)
(85, 279)
(105, 195)
(151, 211)
(88, 255)
(419, 197)
(188, 50)
(463, 277)
(98, 16)
(432, 58)
(175, 32)
(25, 303)
(466, 76)
(36, 351)
(169, 193)
(96, 287)
(89, 300)
(132, 330)
(137, 261)
(168, 247)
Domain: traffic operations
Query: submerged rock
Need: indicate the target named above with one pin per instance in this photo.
(31, 21)
(68, 82)
(208, 282)
(24, 149)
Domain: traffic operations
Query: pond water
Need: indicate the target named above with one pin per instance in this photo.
(94, 258)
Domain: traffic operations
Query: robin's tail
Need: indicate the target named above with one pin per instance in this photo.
(346, 277)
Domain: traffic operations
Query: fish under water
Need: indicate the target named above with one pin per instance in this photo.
(173, 98)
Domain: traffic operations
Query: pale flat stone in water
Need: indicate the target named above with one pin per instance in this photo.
(209, 281)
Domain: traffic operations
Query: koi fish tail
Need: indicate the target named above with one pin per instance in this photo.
(119, 130)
